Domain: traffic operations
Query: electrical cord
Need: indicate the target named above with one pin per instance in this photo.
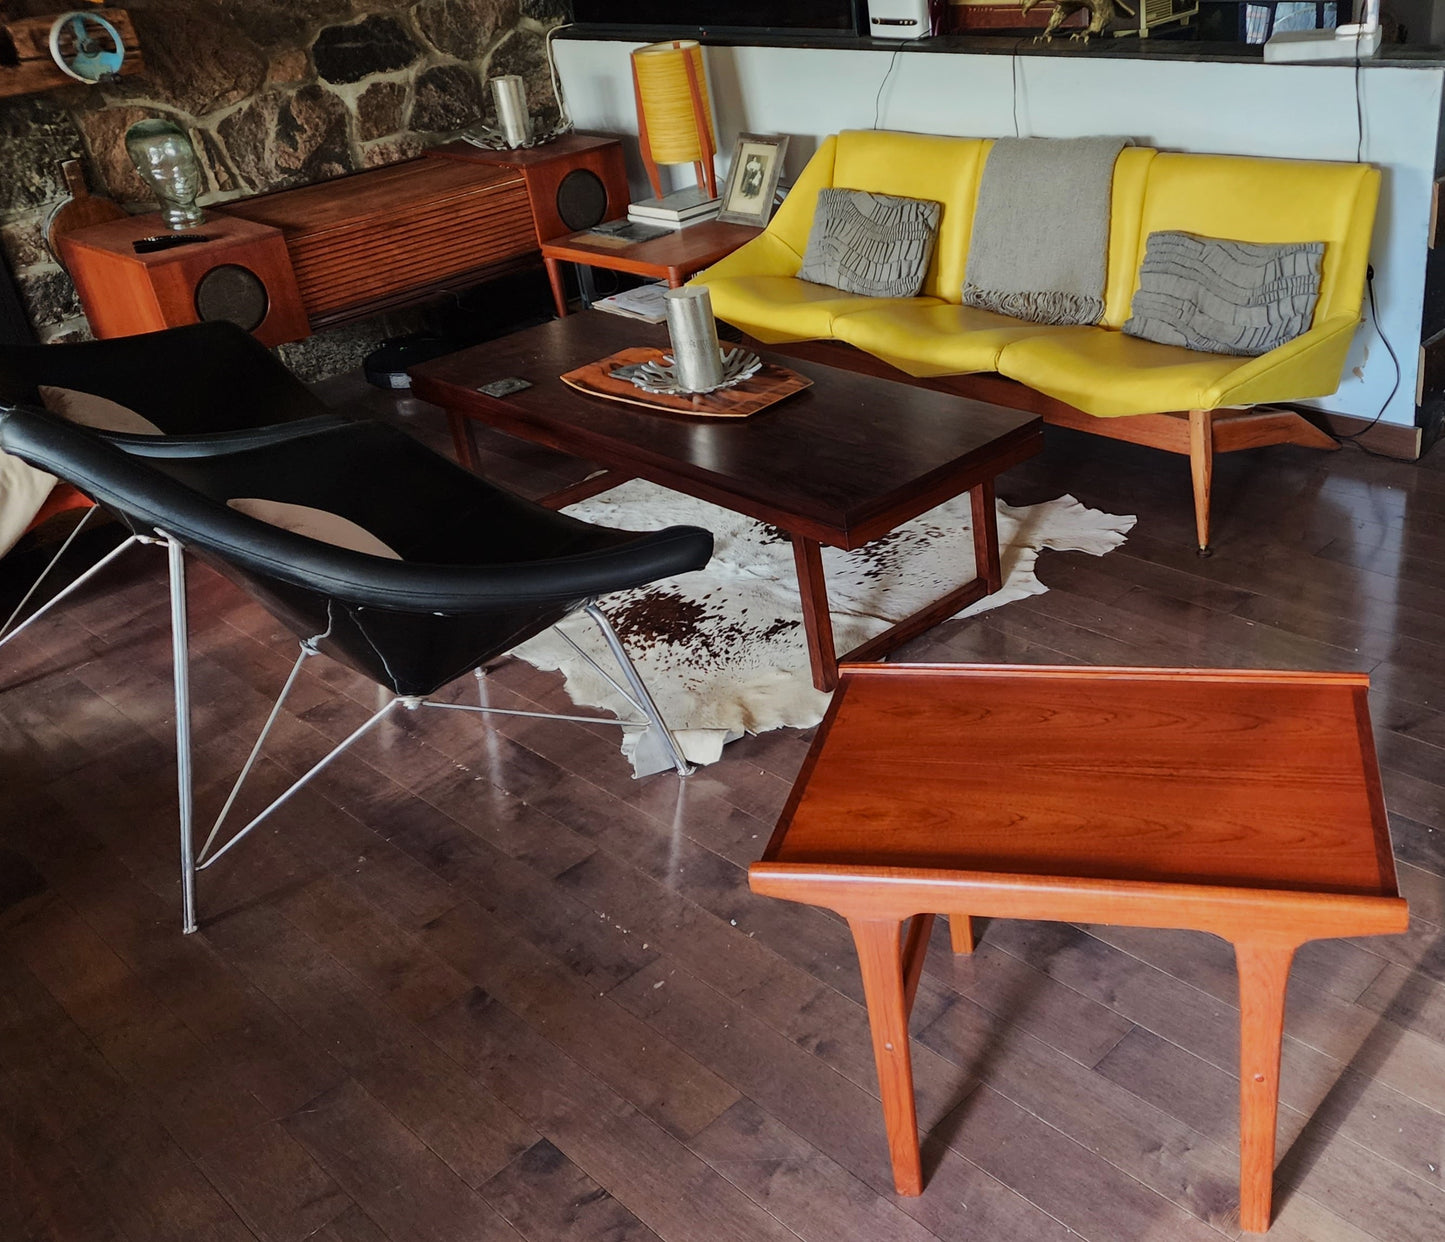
(888, 73)
(564, 118)
(1359, 104)
(1014, 80)
(1353, 437)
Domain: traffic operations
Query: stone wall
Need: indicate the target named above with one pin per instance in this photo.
(274, 93)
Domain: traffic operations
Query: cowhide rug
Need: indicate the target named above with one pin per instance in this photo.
(723, 651)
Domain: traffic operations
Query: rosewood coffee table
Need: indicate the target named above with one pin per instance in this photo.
(1246, 804)
(840, 463)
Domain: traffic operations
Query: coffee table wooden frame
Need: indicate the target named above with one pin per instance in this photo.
(1265, 925)
(973, 472)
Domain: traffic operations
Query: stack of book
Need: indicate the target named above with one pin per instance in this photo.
(676, 210)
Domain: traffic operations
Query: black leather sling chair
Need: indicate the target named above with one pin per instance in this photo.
(463, 573)
(194, 380)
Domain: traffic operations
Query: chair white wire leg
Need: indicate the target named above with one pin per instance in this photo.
(639, 691)
(180, 673)
(44, 573)
(637, 696)
(6, 633)
(193, 860)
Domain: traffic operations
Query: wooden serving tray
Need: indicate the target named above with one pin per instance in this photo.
(767, 387)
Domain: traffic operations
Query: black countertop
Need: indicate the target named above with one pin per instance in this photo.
(1394, 55)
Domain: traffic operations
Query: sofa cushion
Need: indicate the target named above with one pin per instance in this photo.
(934, 339)
(782, 308)
(1225, 297)
(874, 244)
(1109, 374)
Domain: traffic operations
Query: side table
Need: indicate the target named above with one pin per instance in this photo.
(674, 258)
(1246, 804)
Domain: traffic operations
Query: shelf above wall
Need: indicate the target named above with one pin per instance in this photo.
(38, 72)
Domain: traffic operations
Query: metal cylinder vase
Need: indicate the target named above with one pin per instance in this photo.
(509, 93)
(694, 339)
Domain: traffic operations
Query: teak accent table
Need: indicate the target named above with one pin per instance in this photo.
(674, 258)
(840, 463)
(1246, 804)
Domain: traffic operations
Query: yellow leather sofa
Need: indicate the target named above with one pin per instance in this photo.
(1090, 378)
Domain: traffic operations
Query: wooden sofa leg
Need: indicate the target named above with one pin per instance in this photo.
(1201, 467)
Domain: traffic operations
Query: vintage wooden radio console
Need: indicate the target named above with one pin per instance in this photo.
(286, 263)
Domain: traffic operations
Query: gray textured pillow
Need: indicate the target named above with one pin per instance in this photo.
(874, 244)
(1225, 297)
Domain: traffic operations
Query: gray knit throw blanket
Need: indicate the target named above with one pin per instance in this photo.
(1040, 240)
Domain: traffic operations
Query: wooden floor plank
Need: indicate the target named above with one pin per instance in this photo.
(390, 1173)
(647, 1170)
(422, 1001)
(544, 1196)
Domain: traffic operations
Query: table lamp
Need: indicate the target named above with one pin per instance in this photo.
(674, 119)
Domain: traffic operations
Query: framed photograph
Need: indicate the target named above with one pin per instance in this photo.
(753, 179)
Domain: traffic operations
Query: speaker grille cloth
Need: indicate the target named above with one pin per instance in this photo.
(234, 293)
(581, 199)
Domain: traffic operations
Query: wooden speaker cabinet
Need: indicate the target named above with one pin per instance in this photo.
(135, 275)
(572, 184)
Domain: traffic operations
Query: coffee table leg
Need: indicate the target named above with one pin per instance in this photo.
(460, 427)
(985, 535)
(559, 290)
(817, 624)
(960, 932)
(1263, 978)
(880, 958)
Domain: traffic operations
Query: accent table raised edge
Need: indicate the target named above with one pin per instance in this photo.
(1242, 803)
(681, 254)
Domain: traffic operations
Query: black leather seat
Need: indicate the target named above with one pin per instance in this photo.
(477, 569)
(192, 380)
(199, 379)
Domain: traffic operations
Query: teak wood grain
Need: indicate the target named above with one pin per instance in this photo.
(392, 235)
(1245, 804)
(675, 257)
(125, 293)
(840, 463)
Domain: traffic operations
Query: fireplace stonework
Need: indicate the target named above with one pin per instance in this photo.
(274, 94)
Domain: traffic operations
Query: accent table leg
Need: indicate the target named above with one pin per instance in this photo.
(817, 624)
(559, 290)
(1263, 978)
(880, 958)
(960, 932)
(460, 427)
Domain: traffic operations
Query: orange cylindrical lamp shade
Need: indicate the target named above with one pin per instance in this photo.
(676, 134)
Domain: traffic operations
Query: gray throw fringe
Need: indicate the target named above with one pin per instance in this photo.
(1040, 243)
(1053, 308)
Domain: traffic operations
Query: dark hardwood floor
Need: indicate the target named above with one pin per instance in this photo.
(477, 983)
